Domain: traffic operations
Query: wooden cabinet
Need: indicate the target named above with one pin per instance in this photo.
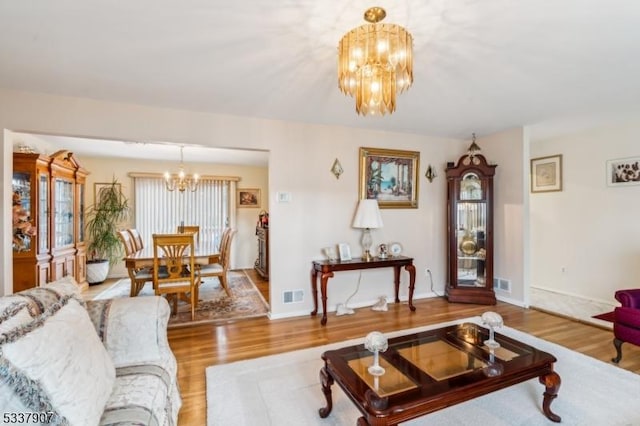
(52, 191)
(262, 262)
(470, 230)
(31, 204)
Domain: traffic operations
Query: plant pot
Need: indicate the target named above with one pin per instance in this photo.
(97, 271)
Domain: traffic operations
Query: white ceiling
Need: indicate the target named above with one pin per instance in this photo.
(480, 66)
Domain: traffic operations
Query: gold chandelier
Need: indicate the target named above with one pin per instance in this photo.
(181, 181)
(375, 62)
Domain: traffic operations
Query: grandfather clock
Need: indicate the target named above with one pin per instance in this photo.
(470, 229)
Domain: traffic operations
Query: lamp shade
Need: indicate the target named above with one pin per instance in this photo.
(367, 215)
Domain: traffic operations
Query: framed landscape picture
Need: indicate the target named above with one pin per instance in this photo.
(389, 176)
(248, 198)
(623, 171)
(546, 174)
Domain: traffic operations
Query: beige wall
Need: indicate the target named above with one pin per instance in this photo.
(506, 149)
(321, 207)
(585, 240)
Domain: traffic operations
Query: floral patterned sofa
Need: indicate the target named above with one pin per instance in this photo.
(69, 362)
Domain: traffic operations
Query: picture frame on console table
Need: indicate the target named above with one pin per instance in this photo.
(546, 174)
(345, 252)
(389, 176)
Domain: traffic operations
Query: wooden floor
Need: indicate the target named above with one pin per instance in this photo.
(199, 347)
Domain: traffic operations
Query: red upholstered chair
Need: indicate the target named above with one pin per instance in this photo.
(626, 320)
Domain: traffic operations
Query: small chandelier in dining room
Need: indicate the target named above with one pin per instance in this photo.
(181, 181)
(375, 62)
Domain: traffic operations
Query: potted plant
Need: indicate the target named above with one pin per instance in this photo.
(110, 208)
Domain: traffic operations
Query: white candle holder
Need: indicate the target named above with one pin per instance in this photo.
(492, 320)
(376, 343)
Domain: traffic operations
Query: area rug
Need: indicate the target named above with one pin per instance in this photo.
(285, 390)
(214, 306)
(607, 316)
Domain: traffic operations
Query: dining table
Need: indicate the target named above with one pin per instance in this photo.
(206, 253)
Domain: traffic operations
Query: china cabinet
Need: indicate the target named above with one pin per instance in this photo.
(470, 230)
(51, 190)
(31, 207)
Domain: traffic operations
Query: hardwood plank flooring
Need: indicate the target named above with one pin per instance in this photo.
(199, 347)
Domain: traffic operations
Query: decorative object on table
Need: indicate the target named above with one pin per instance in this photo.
(383, 251)
(395, 249)
(336, 169)
(248, 198)
(385, 69)
(376, 342)
(430, 173)
(494, 368)
(367, 217)
(109, 210)
(380, 305)
(389, 176)
(623, 171)
(470, 228)
(181, 181)
(492, 320)
(546, 174)
(330, 252)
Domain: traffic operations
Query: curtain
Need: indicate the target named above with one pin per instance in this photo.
(159, 211)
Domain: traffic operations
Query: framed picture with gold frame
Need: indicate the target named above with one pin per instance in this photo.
(389, 176)
(546, 174)
(248, 198)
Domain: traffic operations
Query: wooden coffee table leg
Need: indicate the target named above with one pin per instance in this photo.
(326, 380)
(551, 382)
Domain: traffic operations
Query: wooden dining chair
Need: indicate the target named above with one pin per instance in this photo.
(127, 242)
(174, 252)
(191, 229)
(140, 276)
(221, 265)
(137, 239)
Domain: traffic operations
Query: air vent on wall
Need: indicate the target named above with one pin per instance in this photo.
(293, 296)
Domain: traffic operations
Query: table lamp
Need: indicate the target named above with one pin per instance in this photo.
(367, 217)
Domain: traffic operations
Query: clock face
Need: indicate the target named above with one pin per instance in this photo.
(395, 249)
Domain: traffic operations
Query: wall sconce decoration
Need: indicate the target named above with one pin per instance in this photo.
(430, 174)
(336, 169)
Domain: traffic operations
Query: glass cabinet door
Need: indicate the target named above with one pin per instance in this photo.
(471, 223)
(43, 213)
(63, 231)
(23, 229)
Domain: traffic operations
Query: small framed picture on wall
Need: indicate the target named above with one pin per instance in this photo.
(248, 198)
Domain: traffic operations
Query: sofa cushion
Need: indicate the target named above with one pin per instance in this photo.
(56, 363)
(133, 329)
(141, 395)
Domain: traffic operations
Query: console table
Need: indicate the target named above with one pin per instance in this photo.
(326, 269)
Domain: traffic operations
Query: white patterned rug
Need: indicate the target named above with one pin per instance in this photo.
(284, 389)
(214, 306)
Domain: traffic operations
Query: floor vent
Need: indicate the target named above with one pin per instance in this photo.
(293, 296)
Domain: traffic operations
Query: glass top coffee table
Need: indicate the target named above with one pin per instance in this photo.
(432, 370)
